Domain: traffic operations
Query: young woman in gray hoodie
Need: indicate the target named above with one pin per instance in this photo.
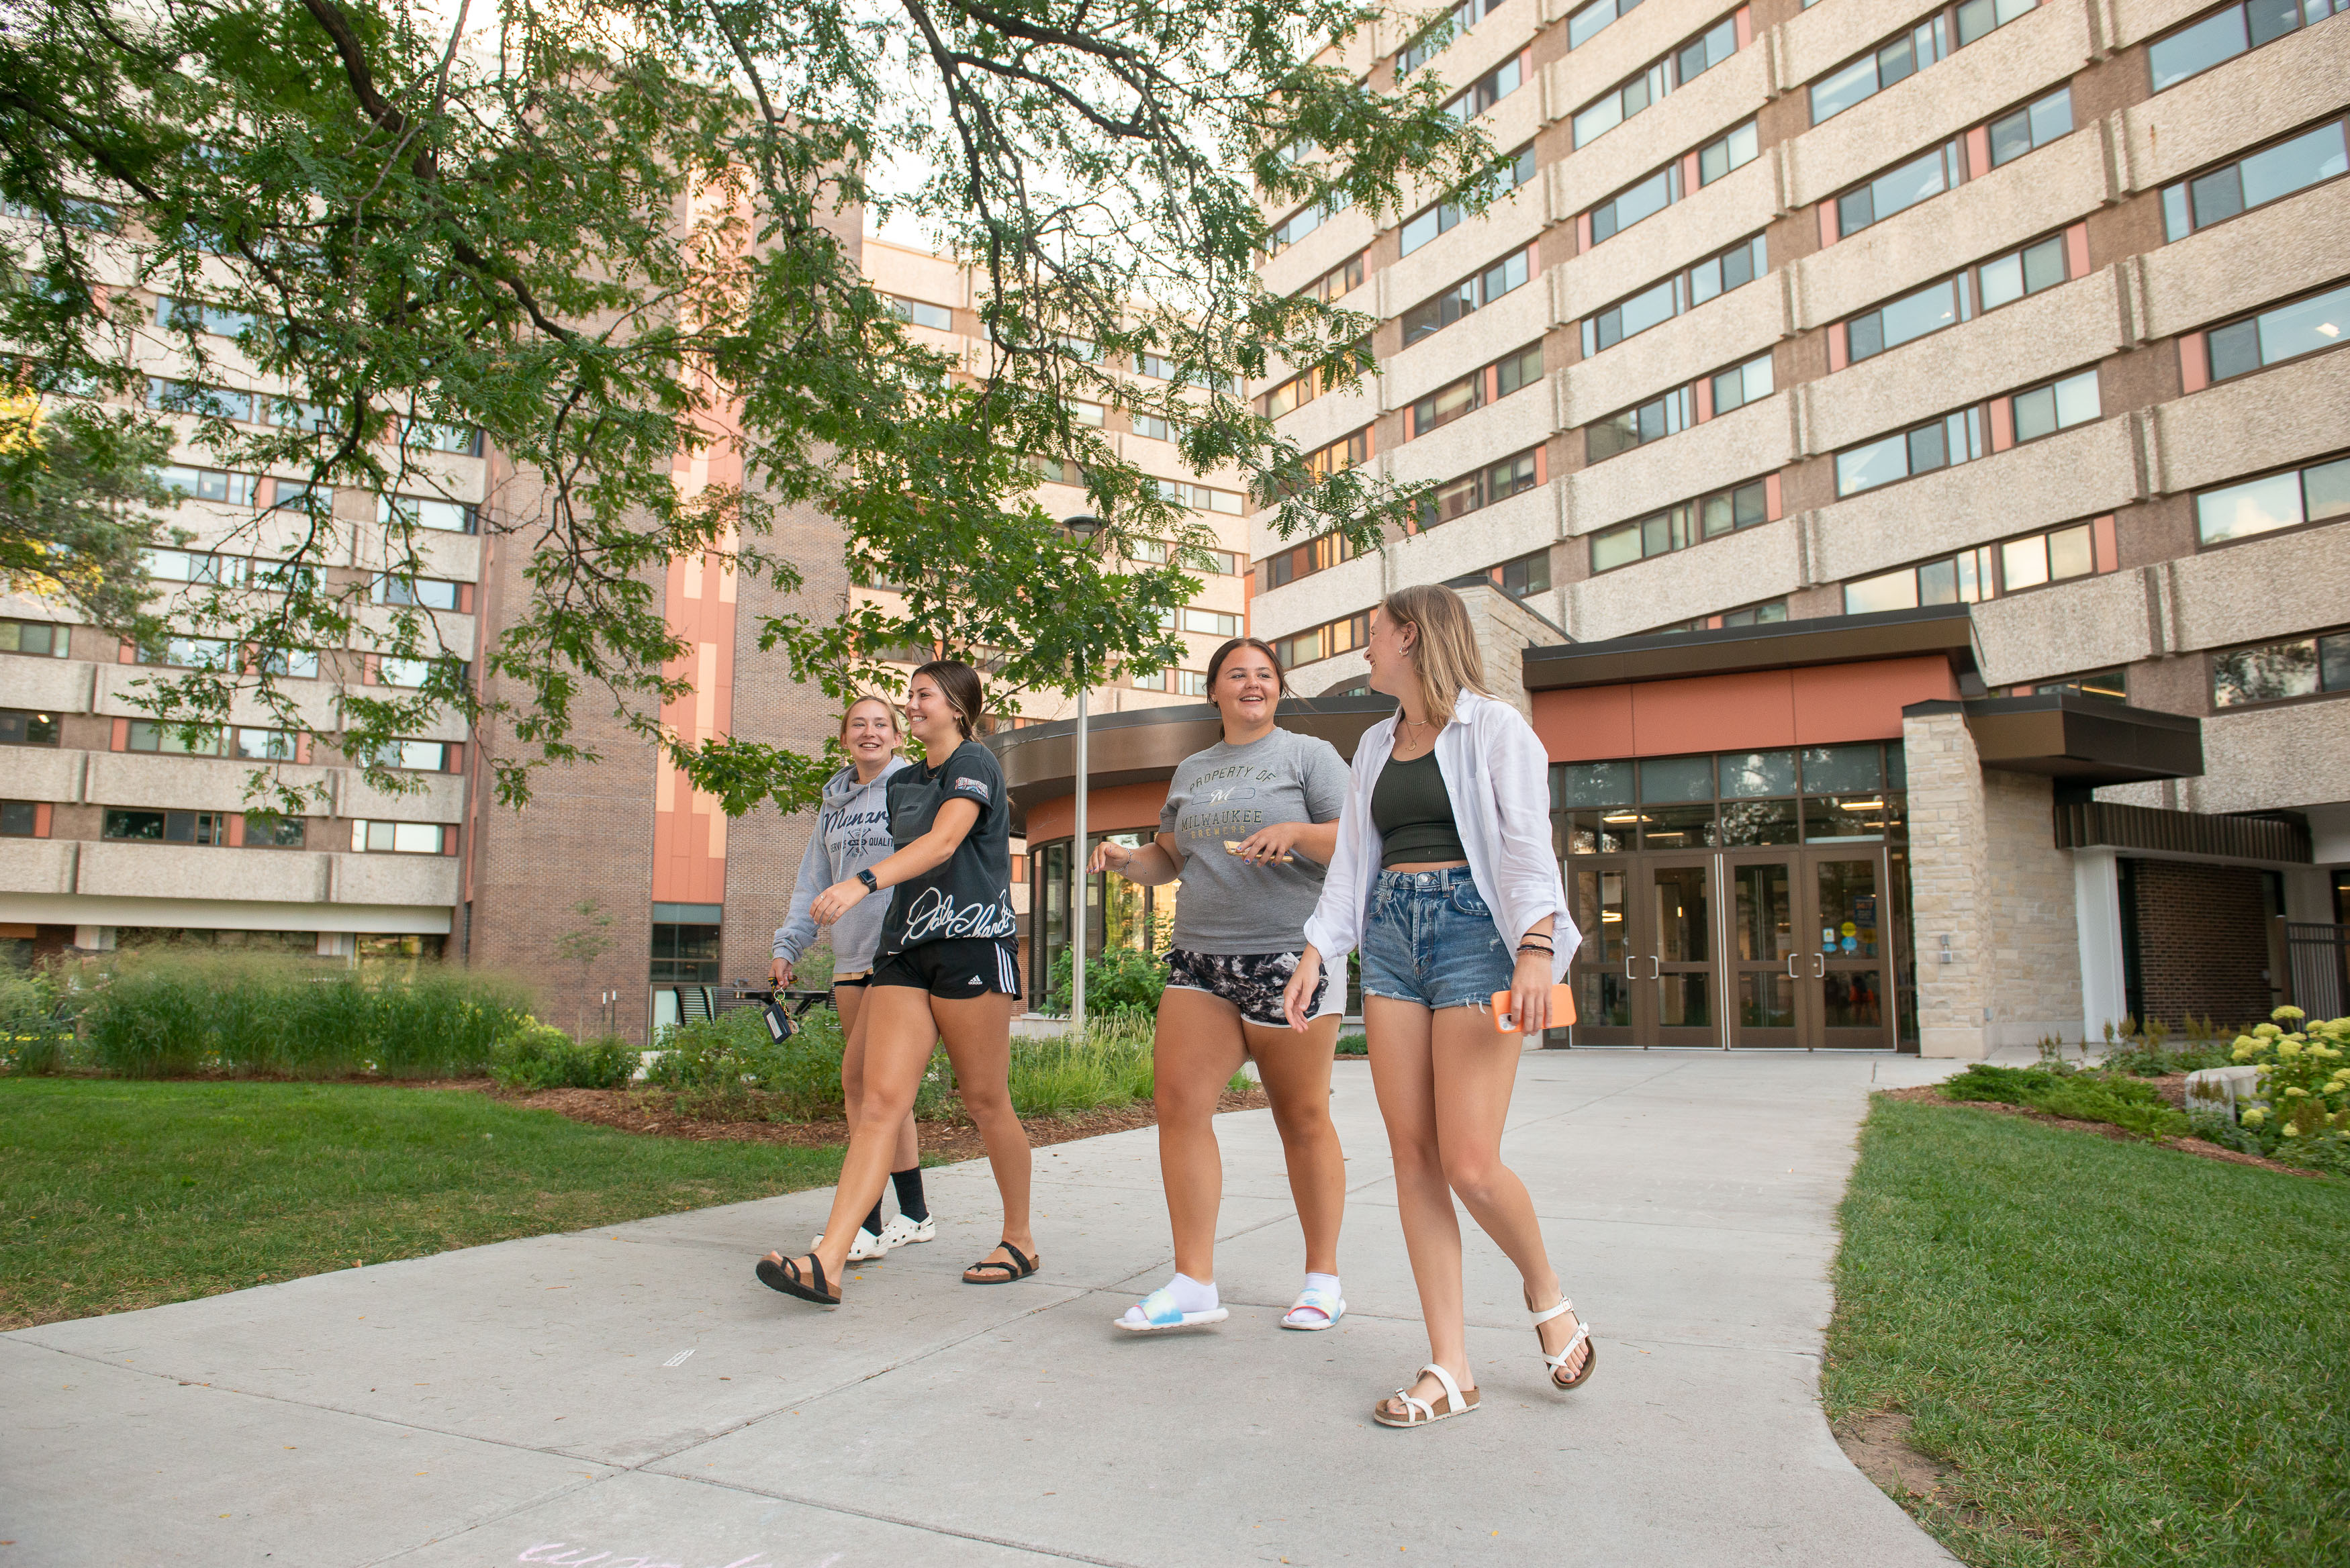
(853, 833)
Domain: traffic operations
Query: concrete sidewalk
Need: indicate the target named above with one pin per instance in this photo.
(631, 1396)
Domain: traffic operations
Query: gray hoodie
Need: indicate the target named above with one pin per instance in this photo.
(852, 832)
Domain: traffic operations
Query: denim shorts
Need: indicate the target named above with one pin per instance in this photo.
(1431, 939)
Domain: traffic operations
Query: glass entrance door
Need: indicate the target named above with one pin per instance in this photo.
(1851, 971)
(1764, 971)
(1644, 974)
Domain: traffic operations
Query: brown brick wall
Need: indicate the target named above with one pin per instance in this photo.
(2202, 942)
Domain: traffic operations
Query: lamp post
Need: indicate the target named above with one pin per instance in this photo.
(1080, 528)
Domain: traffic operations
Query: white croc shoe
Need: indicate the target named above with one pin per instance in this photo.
(864, 1250)
(900, 1231)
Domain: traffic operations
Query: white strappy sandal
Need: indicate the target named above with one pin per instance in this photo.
(1582, 1337)
(1420, 1412)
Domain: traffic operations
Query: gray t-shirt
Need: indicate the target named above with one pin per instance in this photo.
(1225, 794)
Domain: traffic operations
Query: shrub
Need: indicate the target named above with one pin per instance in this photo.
(157, 1015)
(33, 1037)
(541, 1057)
(1353, 1045)
(2124, 1103)
(1055, 1074)
(1120, 981)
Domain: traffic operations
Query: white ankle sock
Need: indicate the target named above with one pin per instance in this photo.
(1324, 1283)
(1191, 1296)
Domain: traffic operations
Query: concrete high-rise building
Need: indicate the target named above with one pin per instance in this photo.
(1908, 449)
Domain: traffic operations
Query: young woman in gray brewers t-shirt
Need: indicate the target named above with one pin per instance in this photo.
(1249, 825)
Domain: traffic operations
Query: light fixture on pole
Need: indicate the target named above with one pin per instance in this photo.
(1081, 527)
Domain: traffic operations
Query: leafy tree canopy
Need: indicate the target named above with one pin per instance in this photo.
(606, 234)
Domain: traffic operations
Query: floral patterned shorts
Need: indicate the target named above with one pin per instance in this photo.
(1251, 981)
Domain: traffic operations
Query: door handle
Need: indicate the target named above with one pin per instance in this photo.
(1820, 966)
(1791, 966)
(1655, 968)
(1627, 968)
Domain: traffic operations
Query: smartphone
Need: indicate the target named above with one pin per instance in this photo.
(1562, 1009)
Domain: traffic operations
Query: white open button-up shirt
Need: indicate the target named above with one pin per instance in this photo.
(1498, 777)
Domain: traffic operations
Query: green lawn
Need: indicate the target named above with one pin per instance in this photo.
(116, 1195)
(2127, 1355)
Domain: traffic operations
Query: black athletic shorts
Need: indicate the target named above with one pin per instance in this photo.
(954, 966)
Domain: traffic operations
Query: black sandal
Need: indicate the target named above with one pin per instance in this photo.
(784, 1274)
(1020, 1268)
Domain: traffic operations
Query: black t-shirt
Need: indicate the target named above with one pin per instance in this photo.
(971, 894)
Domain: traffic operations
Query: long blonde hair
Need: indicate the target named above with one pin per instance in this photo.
(1444, 655)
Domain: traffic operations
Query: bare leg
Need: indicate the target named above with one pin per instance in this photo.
(1476, 1070)
(1296, 1072)
(1196, 1049)
(1404, 1076)
(899, 1034)
(978, 1034)
(849, 1000)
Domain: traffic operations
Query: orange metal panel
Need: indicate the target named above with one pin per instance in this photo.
(1586, 724)
(1124, 808)
(1836, 702)
(1713, 713)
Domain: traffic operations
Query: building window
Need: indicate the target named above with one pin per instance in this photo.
(2254, 180)
(1913, 315)
(195, 567)
(1676, 68)
(1467, 297)
(206, 402)
(1182, 682)
(1770, 612)
(1899, 189)
(1323, 641)
(1444, 216)
(1678, 527)
(201, 828)
(1339, 281)
(2286, 500)
(1911, 51)
(42, 639)
(1647, 197)
(921, 313)
(399, 837)
(1490, 89)
(1304, 221)
(175, 740)
(262, 745)
(207, 485)
(462, 440)
(18, 727)
(2042, 264)
(1208, 623)
(1585, 24)
(1434, 40)
(1738, 386)
(268, 830)
(2051, 556)
(2105, 685)
(2224, 35)
(1815, 794)
(2281, 332)
(1521, 578)
(1675, 410)
(423, 511)
(1198, 497)
(1474, 390)
(409, 756)
(1472, 491)
(188, 653)
(1296, 561)
(2032, 127)
(1347, 452)
(2058, 406)
(20, 819)
(1223, 563)
(1921, 449)
(1659, 303)
(425, 593)
(2280, 671)
(685, 943)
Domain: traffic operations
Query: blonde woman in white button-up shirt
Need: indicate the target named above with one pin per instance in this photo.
(1445, 877)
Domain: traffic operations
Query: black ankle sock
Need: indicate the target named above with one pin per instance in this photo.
(910, 1194)
(873, 1220)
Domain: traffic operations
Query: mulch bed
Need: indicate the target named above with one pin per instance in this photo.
(2173, 1089)
(653, 1112)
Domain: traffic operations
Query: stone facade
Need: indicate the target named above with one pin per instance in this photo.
(1949, 865)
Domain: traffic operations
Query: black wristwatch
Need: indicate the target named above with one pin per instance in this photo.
(866, 876)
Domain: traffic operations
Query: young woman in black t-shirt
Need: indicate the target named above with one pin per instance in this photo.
(948, 969)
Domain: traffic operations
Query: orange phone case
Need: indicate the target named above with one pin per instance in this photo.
(1562, 1009)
